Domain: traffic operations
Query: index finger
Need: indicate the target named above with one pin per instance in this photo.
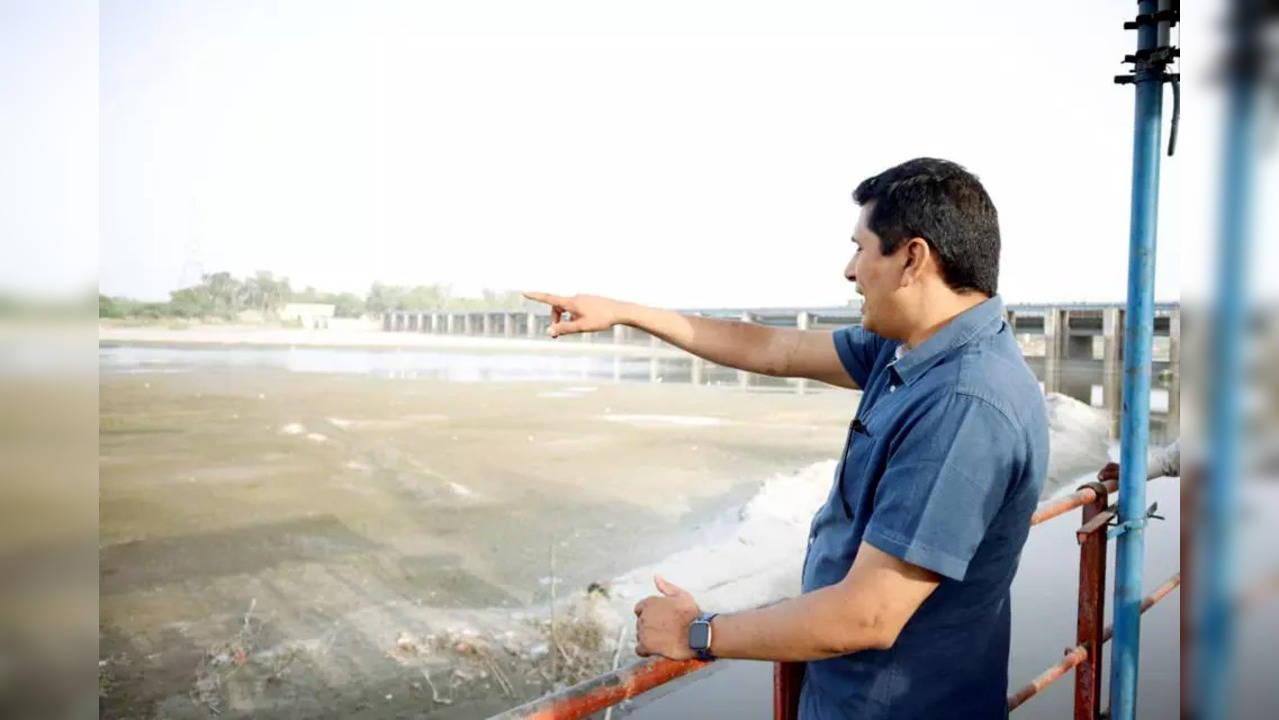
(547, 298)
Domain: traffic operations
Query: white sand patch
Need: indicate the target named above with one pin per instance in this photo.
(568, 392)
(461, 490)
(151, 370)
(666, 420)
(386, 424)
(293, 429)
(317, 437)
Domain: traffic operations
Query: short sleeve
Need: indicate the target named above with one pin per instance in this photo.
(858, 349)
(944, 483)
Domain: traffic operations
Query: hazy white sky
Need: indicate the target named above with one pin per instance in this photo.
(48, 147)
(678, 153)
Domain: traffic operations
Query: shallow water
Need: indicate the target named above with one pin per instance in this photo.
(1084, 380)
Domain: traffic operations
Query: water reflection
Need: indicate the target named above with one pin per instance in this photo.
(1089, 382)
(1085, 380)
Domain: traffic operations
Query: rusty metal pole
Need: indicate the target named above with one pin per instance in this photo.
(1190, 487)
(1091, 617)
(788, 678)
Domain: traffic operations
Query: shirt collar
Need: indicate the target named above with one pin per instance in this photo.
(956, 333)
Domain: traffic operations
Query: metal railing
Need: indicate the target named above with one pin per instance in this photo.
(1084, 657)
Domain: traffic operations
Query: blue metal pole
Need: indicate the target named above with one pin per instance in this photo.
(1214, 647)
(1135, 428)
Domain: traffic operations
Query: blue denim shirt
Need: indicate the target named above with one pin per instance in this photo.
(942, 468)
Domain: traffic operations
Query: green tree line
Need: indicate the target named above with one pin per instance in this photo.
(222, 295)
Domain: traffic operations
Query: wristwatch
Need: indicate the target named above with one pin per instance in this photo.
(699, 636)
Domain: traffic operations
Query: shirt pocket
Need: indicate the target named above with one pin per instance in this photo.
(855, 469)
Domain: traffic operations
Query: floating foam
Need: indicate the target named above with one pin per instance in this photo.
(1078, 440)
(755, 560)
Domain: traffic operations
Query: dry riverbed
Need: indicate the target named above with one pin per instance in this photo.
(278, 544)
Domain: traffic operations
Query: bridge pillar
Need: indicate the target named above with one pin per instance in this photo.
(1112, 333)
(697, 368)
(1053, 322)
(802, 321)
(654, 363)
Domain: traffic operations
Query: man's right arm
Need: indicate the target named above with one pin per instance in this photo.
(780, 352)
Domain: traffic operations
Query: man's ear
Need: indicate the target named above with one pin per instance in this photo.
(917, 255)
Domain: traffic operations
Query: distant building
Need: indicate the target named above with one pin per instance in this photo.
(313, 316)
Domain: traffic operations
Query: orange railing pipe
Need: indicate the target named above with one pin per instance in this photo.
(1079, 653)
(602, 691)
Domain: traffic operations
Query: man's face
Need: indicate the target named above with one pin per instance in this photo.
(877, 277)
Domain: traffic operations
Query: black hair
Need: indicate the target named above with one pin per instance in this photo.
(944, 204)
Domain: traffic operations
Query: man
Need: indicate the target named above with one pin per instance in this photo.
(905, 604)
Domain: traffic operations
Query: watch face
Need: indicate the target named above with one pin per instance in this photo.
(699, 635)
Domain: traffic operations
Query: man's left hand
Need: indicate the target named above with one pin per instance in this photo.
(661, 622)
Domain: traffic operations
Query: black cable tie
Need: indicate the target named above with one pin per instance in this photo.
(1163, 53)
(1169, 16)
